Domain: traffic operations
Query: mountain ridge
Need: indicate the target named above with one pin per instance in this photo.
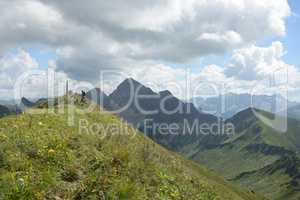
(229, 104)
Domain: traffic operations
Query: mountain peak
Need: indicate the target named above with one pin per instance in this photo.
(128, 90)
(129, 87)
(130, 81)
(25, 102)
(165, 93)
(243, 114)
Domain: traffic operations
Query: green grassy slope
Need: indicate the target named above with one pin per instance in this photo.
(41, 157)
(257, 157)
(279, 179)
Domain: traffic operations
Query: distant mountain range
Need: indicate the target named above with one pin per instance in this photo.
(4, 111)
(26, 103)
(10, 108)
(255, 156)
(230, 104)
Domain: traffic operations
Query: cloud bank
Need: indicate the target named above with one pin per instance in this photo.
(139, 37)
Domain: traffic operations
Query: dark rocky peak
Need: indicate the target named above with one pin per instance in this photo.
(4, 111)
(245, 118)
(131, 81)
(165, 93)
(242, 115)
(26, 103)
(128, 92)
(132, 86)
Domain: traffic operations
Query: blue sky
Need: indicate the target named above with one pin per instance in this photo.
(292, 39)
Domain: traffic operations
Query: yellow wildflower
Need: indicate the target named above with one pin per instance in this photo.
(51, 151)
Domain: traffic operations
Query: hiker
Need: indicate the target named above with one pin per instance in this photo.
(83, 95)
